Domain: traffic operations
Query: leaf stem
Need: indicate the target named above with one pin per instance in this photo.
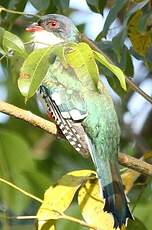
(18, 217)
(73, 219)
(17, 12)
(21, 190)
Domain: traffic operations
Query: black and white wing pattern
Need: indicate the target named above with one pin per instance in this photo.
(68, 118)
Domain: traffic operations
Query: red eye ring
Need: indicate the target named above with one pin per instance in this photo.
(54, 24)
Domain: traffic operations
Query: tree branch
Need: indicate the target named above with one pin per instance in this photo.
(126, 160)
(135, 164)
(28, 117)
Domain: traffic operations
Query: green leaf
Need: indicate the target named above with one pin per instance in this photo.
(34, 177)
(102, 5)
(10, 41)
(49, 225)
(18, 167)
(40, 4)
(73, 211)
(114, 69)
(2, 31)
(59, 51)
(60, 4)
(81, 58)
(124, 59)
(126, 63)
(142, 211)
(58, 198)
(94, 5)
(136, 224)
(119, 4)
(16, 5)
(91, 206)
(15, 158)
(33, 71)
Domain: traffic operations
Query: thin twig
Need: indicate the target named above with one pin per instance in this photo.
(21, 190)
(61, 216)
(73, 219)
(17, 12)
(128, 161)
(18, 217)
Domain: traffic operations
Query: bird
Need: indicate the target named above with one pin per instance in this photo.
(84, 112)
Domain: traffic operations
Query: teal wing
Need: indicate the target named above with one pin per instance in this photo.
(68, 109)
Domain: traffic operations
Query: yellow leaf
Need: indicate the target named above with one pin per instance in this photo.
(123, 227)
(91, 206)
(58, 198)
(81, 58)
(147, 155)
(48, 225)
(141, 41)
(129, 177)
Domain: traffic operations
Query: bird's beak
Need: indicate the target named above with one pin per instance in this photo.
(34, 28)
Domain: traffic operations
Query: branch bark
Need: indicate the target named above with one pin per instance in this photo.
(28, 117)
(124, 159)
(135, 164)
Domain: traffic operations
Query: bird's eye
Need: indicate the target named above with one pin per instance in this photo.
(39, 22)
(53, 24)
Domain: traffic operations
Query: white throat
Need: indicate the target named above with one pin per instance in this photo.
(43, 39)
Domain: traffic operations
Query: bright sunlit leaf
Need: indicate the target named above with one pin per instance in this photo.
(80, 57)
(114, 69)
(129, 177)
(91, 205)
(10, 41)
(58, 198)
(33, 71)
(46, 225)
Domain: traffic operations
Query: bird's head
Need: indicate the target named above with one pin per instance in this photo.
(52, 29)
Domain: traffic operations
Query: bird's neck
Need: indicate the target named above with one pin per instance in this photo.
(43, 39)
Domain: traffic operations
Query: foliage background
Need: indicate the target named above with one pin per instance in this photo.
(33, 159)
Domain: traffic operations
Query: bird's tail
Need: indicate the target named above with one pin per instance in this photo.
(115, 199)
(113, 192)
